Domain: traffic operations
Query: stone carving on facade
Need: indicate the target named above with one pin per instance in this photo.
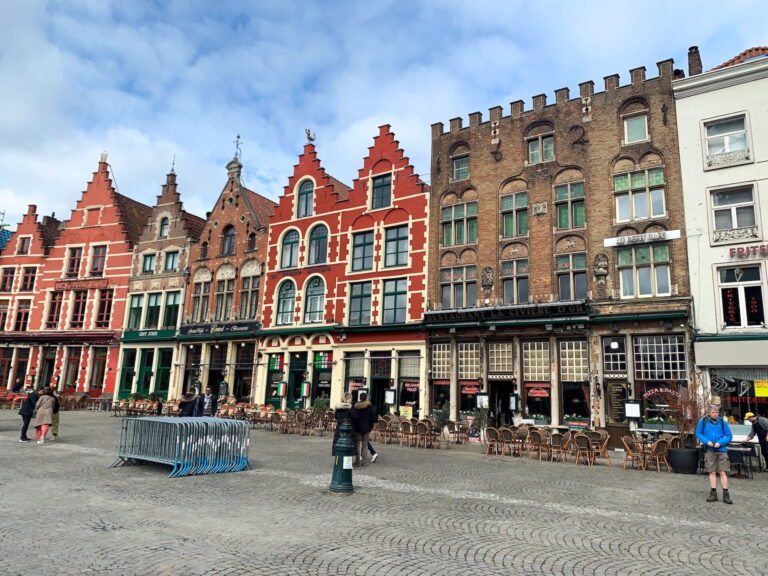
(486, 278)
(736, 234)
(727, 158)
(251, 268)
(600, 272)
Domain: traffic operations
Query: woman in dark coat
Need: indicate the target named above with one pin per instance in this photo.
(188, 405)
(26, 411)
(343, 411)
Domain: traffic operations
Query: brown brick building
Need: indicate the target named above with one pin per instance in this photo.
(222, 313)
(558, 281)
(149, 359)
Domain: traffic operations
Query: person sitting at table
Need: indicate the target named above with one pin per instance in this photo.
(759, 429)
(715, 434)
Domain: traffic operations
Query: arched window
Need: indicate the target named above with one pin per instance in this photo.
(252, 241)
(228, 240)
(290, 252)
(286, 299)
(164, 225)
(314, 300)
(318, 245)
(204, 250)
(306, 191)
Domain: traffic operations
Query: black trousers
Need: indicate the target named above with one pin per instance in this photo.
(25, 426)
(764, 450)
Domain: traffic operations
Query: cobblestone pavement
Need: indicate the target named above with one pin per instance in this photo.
(63, 512)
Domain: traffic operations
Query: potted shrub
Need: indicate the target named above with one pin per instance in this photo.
(684, 457)
(659, 423)
(576, 421)
(441, 416)
(540, 419)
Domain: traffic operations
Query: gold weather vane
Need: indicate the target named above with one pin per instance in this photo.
(310, 137)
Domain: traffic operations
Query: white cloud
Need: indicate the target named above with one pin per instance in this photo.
(147, 81)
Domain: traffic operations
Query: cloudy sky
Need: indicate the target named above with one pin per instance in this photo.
(147, 81)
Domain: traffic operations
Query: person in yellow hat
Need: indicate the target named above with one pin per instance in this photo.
(759, 429)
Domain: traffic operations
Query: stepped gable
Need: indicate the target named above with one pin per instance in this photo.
(339, 187)
(134, 216)
(746, 55)
(49, 231)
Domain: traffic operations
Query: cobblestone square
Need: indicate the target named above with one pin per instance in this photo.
(64, 512)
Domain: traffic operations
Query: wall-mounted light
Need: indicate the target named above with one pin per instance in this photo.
(452, 330)
(492, 327)
(614, 327)
(667, 325)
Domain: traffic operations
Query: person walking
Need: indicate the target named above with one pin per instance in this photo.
(17, 386)
(342, 413)
(365, 417)
(44, 415)
(26, 411)
(55, 423)
(715, 434)
(759, 429)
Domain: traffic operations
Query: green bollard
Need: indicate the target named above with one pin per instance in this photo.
(341, 482)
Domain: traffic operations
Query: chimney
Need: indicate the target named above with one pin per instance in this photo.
(694, 61)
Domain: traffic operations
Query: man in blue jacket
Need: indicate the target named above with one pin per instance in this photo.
(715, 434)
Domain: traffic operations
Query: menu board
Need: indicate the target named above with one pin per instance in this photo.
(615, 394)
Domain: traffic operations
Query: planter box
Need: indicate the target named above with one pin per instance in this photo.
(577, 424)
(541, 422)
(656, 426)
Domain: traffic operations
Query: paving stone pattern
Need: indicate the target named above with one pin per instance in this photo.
(63, 512)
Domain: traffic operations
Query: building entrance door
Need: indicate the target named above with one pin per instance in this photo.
(499, 400)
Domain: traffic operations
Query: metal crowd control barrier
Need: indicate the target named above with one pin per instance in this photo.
(190, 445)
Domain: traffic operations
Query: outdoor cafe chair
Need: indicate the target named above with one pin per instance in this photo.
(423, 434)
(658, 455)
(508, 441)
(602, 450)
(632, 452)
(492, 441)
(584, 449)
(407, 435)
(538, 444)
(558, 447)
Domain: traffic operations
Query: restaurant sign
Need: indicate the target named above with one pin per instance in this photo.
(659, 236)
(538, 393)
(214, 329)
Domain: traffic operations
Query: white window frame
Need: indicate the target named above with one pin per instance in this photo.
(540, 139)
(652, 266)
(629, 118)
(735, 234)
(648, 190)
(728, 158)
(456, 171)
(740, 285)
(469, 360)
(441, 361)
(536, 361)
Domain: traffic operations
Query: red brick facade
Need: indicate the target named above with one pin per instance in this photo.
(79, 299)
(345, 286)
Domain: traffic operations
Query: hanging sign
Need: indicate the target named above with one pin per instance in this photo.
(761, 388)
(305, 389)
(280, 388)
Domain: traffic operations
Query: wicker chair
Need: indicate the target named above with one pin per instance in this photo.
(631, 452)
(558, 448)
(584, 449)
(658, 454)
(492, 441)
(537, 444)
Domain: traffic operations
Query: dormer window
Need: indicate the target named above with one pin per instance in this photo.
(541, 149)
(163, 229)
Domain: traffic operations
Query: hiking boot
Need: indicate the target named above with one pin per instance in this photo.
(727, 497)
(712, 495)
